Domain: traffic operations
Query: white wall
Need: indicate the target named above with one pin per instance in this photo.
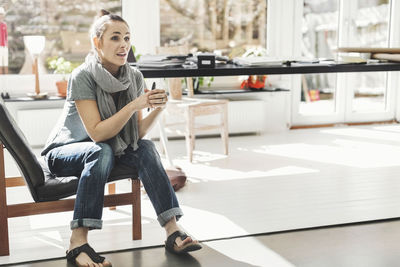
(282, 25)
(18, 85)
(143, 18)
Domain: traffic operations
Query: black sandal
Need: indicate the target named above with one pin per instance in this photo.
(172, 247)
(72, 254)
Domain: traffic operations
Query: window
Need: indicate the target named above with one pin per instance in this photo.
(64, 23)
(369, 28)
(366, 25)
(228, 26)
(320, 24)
(345, 97)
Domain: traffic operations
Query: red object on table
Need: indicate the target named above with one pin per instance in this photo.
(254, 82)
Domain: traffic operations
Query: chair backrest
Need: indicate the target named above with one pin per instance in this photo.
(14, 140)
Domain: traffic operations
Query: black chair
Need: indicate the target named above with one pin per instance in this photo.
(47, 190)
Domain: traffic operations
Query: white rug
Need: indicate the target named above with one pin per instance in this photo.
(268, 183)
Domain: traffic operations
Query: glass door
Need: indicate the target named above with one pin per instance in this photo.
(369, 96)
(345, 97)
(316, 96)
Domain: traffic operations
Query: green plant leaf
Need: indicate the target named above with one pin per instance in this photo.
(60, 65)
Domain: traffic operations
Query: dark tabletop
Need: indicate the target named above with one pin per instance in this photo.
(233, 70)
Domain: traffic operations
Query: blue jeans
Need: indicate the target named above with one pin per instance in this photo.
(93, 162)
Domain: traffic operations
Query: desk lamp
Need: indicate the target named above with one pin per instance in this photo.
(35, 45)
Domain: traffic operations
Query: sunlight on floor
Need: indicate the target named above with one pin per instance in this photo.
(197, 220)
(45, 221)
(203, 156)
(55, 235)
(62, 219)
(258, 255)
(197, 173)
(389, 128)
(367, 133)
(204, 172)
(51, 238)
(341, 151)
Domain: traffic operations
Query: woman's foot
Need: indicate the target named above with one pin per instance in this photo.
(83, 259)
(177, 240)
(79, 239)
(179, 243)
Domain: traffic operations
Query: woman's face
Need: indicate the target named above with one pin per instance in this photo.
(114, 46)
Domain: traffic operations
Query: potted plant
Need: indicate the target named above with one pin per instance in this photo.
(201, 81)
(255, 81)
(61, 66)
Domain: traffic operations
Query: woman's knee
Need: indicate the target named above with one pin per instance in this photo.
(105, 149)
(144, 143)
(149, 156)
(103, 153)
(147, 145)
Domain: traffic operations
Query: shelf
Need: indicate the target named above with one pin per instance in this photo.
(29, 99)
(244, 91)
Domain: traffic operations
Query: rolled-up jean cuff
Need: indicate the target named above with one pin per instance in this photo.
(89, 223)
(167, 215)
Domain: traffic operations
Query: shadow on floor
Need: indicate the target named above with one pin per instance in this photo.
(155, 257)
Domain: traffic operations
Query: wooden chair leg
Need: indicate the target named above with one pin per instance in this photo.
(189, 81)
(164, 140)
(190, 135)
(111, 191)
(224, 130)
(136, 211)
(4, 241)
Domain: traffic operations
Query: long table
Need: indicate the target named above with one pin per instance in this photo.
(233, 70)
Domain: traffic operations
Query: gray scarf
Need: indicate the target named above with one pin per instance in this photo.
(106, 85)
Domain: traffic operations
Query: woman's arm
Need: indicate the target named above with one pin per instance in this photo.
(158, 99)
(147, 123)
(101, 130)
(97, 129)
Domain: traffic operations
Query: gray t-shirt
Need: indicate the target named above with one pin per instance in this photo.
(81, 86)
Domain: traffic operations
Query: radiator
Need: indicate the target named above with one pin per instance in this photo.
(36, 124)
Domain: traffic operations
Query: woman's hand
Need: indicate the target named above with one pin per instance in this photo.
(157, 98)
(142, 101)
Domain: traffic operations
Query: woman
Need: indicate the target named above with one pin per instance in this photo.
(102, 125)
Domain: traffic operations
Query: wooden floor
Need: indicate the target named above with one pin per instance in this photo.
(363, 244)
(269, 183)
